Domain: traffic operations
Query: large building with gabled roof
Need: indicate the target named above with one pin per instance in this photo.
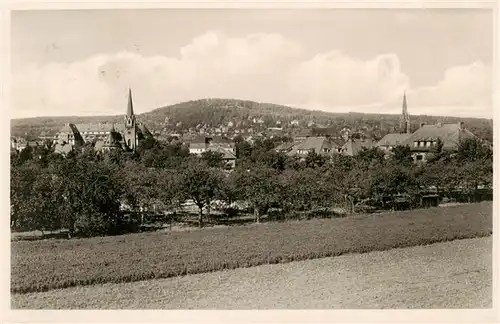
(425, 139)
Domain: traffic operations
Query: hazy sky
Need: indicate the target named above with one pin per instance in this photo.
(81, 62)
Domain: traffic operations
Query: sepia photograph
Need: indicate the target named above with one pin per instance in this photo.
(251, 158)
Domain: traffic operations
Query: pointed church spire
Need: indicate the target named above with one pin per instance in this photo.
(130, 107)
(405, 117)
(405, 107)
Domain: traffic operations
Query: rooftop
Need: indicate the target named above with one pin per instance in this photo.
(449, 134)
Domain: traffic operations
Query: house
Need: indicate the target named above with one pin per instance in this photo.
(203, 143)
(294, 122)
(285, 147)
(354, 146)
(215, 144)
(319, 145)
(302, 135)
(389, 141)
(63, 148)
(228, 157)
(19, 144)
(111, 142)
(274, 131)
(323, 131)
(198, 145)
(424, 140)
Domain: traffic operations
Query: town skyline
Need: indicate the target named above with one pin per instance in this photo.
(260, 55)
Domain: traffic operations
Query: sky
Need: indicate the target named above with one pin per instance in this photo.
(82, 62)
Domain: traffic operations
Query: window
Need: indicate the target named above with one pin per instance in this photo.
(428, 144)
(419, 157)
(415, 144)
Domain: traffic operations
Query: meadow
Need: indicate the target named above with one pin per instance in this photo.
(52, 264)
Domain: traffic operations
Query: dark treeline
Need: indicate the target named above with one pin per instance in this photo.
(85, 192)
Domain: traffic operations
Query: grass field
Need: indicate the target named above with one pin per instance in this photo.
(51, 264)
(455, 274)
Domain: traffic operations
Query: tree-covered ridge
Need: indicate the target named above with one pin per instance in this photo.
(220, 112)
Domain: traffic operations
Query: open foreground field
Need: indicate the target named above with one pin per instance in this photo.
(52, 264)
(455, 274)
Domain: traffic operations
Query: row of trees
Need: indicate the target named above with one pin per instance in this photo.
(85, 192)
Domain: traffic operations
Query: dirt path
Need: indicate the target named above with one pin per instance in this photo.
(455, 274)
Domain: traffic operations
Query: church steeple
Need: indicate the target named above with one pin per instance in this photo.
(131, 140)
(405, 117)
(130, 106)
(405, 107)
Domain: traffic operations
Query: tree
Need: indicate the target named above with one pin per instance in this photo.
(213, 159)
(258, 185)
(314, 160)
(168, 193)
(370, 158)
(22, 180)
(92, 193)
(46, 203)
(276, 160)
(346, 181)
(26, 154)
(200, 183)
(392, 180)
(473, 149)
(402, 155)
(303, 190)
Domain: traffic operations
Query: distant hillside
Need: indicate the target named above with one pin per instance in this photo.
(219, 112)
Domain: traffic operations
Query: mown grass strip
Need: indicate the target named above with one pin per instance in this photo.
(52, 264)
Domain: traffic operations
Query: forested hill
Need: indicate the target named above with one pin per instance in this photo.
(219, 112)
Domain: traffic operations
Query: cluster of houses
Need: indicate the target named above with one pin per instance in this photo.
(422, 142)
(321, 140)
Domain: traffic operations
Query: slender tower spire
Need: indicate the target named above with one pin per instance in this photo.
(130, 134)
(130, 106)
(405, 117)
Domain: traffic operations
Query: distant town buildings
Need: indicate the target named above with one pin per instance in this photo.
(203, 136)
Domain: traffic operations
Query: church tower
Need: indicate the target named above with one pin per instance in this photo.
(130, 134)
(404, 123)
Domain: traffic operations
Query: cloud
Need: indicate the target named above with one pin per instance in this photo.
(464, 90)
(336, 79)
(262, 67)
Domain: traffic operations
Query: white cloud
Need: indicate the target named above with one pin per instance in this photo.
(261, 67)
(337, 80)
(463, 91)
